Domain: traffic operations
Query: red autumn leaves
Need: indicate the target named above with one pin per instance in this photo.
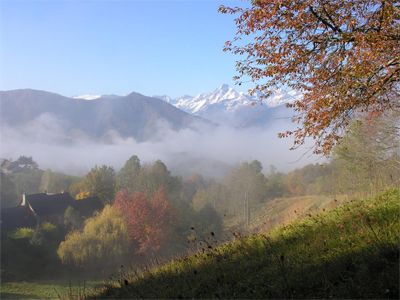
(149, 219)
(344, 56)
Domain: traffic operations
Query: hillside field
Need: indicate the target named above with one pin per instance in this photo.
(349, 252)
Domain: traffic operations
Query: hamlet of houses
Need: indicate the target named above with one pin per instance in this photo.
(37, 208)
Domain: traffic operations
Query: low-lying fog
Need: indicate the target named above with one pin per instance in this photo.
(206, 151)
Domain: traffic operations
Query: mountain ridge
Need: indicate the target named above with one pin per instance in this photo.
(133, 115)
(140, 116)
(225, 92)
(227, 106)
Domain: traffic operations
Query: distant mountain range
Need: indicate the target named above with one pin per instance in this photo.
(133, 115)
(227, 106)
(139, 116)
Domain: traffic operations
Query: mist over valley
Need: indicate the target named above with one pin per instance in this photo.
(73, 134)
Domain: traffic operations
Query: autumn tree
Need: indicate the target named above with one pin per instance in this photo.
(343, 56)
(103, 240)
(149, 220)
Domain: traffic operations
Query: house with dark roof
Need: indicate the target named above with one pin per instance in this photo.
(44, 204)
(16, 217)
(37, 208)
(48, 207)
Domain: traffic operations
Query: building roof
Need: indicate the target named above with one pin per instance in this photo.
(17, 217)
(49, 204)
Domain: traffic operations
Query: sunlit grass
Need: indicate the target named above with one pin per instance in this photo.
(351, 251)
(284, 210)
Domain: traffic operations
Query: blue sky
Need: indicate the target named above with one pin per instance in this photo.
(103, 47)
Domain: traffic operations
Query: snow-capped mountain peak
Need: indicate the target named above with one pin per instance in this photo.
(226, 105)
(224, 92)
(225, 96)
(87, 97)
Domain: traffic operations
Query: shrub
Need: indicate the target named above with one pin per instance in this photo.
(103, 238)
(48, 227)
(23, 233)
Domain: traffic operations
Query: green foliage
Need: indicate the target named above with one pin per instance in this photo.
(247, 186)
(368, 157)
(79, 188)
(128, 176)
(191, 186)
(215, 194)
(148, 178)
(30, 253)
(27, 181)
(208, 221)
(8, 191)
(157, 175)
(201, 199)
(45, 235)
(238, 192)
(103, 240)
(350, 252)
(38, 238)
(275, 184)
(248, 182)
(48, 227)
(72, 218)
(54, 182)
(310, 179)
(22, 233)
(100, 181)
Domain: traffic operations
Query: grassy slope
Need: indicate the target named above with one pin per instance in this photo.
(45, 289)
(351, 251)
(282, 211)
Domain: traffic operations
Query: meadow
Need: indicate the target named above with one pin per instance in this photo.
(284, 210)
(349, 252)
